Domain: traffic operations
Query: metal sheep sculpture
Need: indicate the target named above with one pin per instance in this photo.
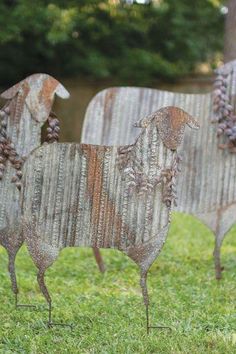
(104, 196)
(207, 186)
(27, 108)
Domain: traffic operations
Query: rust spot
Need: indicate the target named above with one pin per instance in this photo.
(108, 104)
(18, 103)
(108, 109)
(47, 91)
(110, 219)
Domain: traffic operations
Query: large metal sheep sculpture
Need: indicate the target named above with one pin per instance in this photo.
(28, 106)
(104, 196)
(207, 186)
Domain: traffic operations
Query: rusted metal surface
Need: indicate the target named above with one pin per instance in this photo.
(104, 196)
(207, 186)
(28, 106)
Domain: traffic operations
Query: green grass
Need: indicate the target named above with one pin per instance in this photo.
(107, 310)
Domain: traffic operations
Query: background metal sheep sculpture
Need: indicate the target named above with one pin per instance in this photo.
(27, 108)
(207, 186)
(104, 196)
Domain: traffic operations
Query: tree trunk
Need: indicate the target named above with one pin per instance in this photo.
(230, 32)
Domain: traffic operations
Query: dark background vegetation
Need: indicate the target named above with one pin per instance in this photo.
(109, 39)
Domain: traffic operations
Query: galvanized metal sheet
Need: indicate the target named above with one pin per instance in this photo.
(207, 186)
(27, 107)
(103, 196)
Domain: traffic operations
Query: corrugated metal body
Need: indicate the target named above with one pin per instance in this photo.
(26, 136)
(32, 95)
(119, 129)
(207, 186)
(79, 196)
(28, 106)
(100, 196)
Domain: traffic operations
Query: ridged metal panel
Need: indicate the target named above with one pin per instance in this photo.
(24, 131)
(79, 198)
(106, 197)
(207, 186)
(81, 195)
(28, 107)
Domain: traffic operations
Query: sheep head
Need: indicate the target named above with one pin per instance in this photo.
(170, 122)
(38, 91)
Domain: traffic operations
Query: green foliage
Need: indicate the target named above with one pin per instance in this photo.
(101, 39)
(107, 310)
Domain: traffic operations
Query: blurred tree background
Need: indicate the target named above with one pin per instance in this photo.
(103, 39)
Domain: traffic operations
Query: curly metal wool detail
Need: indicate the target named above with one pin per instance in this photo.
(8, 151)
(140, 183)
(223, 109)
(53, 129)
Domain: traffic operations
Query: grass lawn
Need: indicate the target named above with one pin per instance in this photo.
(107, 310)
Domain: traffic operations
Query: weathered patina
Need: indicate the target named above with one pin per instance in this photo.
(207, 186)
(104, 196)
(28, 106)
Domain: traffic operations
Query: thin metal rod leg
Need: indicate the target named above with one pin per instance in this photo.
(17, 305)
(49, 314)
(43, 288)
(148, 325)
(143, 283)
(218, 267)
(12, 272)
(99, 260)
(147, 319)
(52, 324)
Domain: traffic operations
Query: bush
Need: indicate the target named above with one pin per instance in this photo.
(101, 39)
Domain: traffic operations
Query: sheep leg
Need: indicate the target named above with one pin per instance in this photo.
(45, 292)
(12, 272)
(99, 259)
(216, 254)
(143, 284)
(12, 243)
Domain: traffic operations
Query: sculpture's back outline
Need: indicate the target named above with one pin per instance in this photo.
(207, 186)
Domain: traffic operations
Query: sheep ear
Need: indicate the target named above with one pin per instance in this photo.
(12, 91)
(143, 123)
(192, 123)
(171, 125)
(62, 92)
(40, 98)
